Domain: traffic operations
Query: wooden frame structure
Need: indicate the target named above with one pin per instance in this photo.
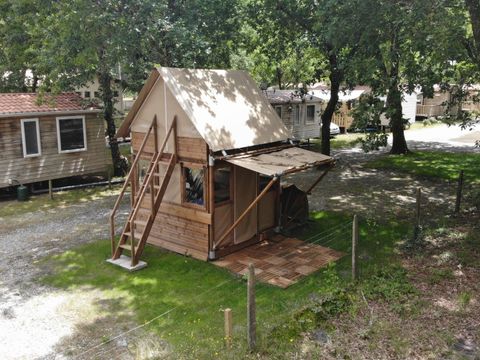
(245, 179)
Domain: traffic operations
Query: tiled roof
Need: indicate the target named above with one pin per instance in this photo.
(25, 103)
(287, 96)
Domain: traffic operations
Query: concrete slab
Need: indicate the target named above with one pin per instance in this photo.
(126, 263)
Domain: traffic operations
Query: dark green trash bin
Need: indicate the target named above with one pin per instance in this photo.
(22, 193)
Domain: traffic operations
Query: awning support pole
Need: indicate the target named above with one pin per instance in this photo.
(250, 207)
(309, 191)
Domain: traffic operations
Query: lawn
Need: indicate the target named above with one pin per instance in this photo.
(432, 164)
(342, 141)
(60, 199)
(190, 294)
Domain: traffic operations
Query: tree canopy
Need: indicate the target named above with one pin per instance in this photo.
(395, 47)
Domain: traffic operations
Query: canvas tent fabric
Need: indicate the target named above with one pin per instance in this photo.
(281, 162)
(225, 106)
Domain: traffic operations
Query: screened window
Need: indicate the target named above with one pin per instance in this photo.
(310, 113)
(193, 182)
(31, 138)
(222, 184)
(87, 94)
(278, 109)
(71, 134)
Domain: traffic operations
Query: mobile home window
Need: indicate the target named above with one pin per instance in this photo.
(222, 184)
(193, 180)
(31, 138)
(296, 114)
(310, 113)
(278, 109)
(71, 134)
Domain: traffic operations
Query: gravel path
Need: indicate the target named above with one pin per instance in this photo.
(33, 317)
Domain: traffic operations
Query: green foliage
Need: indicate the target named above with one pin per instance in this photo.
(434, 164)
(438, 275)
(374, 141)
(391, 285)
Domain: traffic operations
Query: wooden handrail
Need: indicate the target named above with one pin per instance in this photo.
(249, 208)
(151, 173)
(127, 181)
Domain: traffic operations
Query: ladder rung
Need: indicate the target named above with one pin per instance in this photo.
(129, 234)
(128, 247)
(140, 222)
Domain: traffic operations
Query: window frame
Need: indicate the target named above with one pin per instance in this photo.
(39, 142)
(296, 115)
(277, 107)
(59, 140)
(231, 187)
(183, 186)
(312, 121)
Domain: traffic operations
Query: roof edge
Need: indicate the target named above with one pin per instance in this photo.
(47, 113)
(124, 129)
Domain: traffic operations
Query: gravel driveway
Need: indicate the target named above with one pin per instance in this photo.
(32, 316)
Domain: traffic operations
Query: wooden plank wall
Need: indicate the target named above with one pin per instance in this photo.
(189, 149)
(51, 164)
(179, 228)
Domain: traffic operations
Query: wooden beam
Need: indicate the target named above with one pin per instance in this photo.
(211, 204)
(250, 207)
(309, 191)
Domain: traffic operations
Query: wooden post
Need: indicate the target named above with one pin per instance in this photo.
(416, 230)
(109, 177)
(459, 192)
(50, 191)
(419, 198)
(354, 247)
(251, 315)
(228, 327)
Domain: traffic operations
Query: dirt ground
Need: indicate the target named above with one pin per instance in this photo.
(35, 320)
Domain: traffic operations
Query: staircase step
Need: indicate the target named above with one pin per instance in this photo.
(129, 234)
(128, 247)
(141, 222)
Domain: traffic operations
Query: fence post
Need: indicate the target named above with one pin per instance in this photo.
(50, 190)
(228, 327)
(354, 247)
(251, 315)
(459, 192)
(416, 231)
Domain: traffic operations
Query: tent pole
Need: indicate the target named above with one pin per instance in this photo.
(250, 207)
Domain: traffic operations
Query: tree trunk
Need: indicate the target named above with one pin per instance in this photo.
(473, 7)
(105, 80)
(279, 75)
(394, 104)
(336, 76)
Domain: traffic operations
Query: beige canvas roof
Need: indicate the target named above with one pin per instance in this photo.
(225, 106)
(282, 161)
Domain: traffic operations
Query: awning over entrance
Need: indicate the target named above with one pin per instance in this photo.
(281, 162)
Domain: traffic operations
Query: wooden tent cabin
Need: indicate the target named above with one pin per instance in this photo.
(209, 152)
(58, 138)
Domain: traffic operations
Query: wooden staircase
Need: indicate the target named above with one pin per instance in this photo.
(142, 215)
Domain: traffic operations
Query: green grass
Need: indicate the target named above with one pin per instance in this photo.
(197, 291)
(342, 141)
(433, 164)
(60, 199)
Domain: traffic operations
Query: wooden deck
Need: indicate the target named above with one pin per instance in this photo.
(280, 261)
